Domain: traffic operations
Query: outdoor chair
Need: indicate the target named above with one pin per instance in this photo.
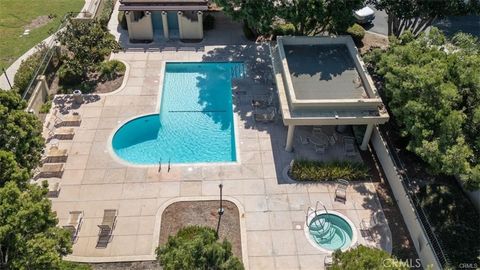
(55, 155)
(264, 117)
(106, 228)
(367, 226)
(262, 102)
(328, 261)
(53, 190)
(62, 133)
(50, 170)
(66, 120)
(341, 190)
(74, 223)
(319, 148)
(304, 140)
(349, 147)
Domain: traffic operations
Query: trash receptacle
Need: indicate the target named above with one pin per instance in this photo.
(77, 97)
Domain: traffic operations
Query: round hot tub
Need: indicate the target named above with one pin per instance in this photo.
(330, 231)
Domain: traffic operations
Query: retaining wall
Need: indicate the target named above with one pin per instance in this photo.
(415, 228)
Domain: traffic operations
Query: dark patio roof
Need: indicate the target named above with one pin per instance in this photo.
(150, 5)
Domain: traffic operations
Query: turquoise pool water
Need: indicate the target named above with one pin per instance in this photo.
(195, 123)
(331, 231)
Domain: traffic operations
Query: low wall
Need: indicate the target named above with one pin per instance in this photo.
(39, 95)
(422, 245)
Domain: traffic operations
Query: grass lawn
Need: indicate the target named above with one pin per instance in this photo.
(15, 15)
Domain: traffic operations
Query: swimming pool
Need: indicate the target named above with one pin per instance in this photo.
(195, 123)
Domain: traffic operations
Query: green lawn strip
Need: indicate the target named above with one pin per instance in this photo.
(307, 170)
(15, 15)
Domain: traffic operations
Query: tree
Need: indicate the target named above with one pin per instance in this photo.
(10, 171)
(312, 17)
(20, 131)
(309, 17)
(87, 44)
(417, 15)
(29, 238)
(363, 257)
(257, 14)
(196, 247)
(433, 91)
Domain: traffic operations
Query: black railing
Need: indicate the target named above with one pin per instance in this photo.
(432, 239)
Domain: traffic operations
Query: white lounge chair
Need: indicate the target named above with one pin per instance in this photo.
(55, 155)
(66, 120)
(50, 170)
(74, 223)
(367, 226)
(53, 190)
(62, 133)
(106, 228)
(341, 190)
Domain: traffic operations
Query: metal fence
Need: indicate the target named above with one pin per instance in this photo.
(408, 185)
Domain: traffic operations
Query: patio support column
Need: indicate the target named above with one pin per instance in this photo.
(289, 145)
(165, 24)
(366, 137)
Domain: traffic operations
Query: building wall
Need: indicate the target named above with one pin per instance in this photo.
(419, 238)
(141, 29)
(190, 29)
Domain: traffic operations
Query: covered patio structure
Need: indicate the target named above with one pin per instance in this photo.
(322, 81)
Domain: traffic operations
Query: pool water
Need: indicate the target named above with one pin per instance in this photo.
(331, 232)
(195, 123)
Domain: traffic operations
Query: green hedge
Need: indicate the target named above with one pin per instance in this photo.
(357, 32)
(27, 69)
(110, 70)
(197, 247)
(308, 170)
(105, 12)
(286, 29)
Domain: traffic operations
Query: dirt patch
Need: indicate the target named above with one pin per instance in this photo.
(204, 213)
(91, 86)
(109, 86)
(373, 41)
(38, 22)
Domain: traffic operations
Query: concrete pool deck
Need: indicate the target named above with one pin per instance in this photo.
(274, 213)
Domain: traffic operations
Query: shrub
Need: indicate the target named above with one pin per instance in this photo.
(70, 74)
(363, 257)
(285, 29)
(208, 22)
(248, 32)
(196, 247)
(27, 69)
(45, 108)
(122, 20)
(357, 32)
(308, 170)
(111, 69)
(106, 12)
(454, 219)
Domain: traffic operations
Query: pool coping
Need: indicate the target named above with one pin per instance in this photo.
(344, 217)
(120, 124)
